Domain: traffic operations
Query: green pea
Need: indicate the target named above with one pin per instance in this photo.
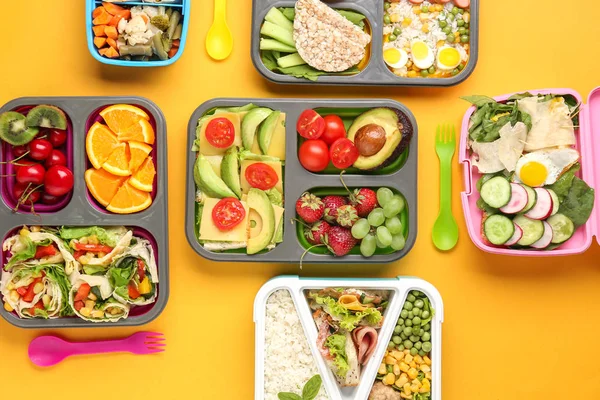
(400, 321)
(443, 24)
(411, 314)
(451, 38)
(415, 330)
(391, 345)
(460, 22)
(386, 5)
(411, 298)
(400, 347)
(413, 338)
(425, 314)
(467, 25)
(416, 312)
(397, 329)
(450, 17)
(422, 353)
(455, 71)
(392, 37)
(426, 336)
(404, 313)
(427, 346)
(460, 67)
(455, 10)
(421, 332)
(408, 322)
(424, 9)
(461, 10)
(447, 30)
(462, 31)
(408, 306)
(464, 38)
(418, 345)
(397, 31)
(407, 331)
(424, 73)
(416, 321)
(419, 303)
(386, 19)
(408, 344)
(414, 351)
(403, 335)
(415, 293)
(431, 70)
(397, 339)
(427, 327)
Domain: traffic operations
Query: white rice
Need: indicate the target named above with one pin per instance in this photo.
(415, 30)
(289, 363)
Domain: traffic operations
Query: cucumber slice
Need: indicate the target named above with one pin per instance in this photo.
(498, 229)
(496, 192)
(533, 230)
(562, 228)
(555, 201)
(532, 195)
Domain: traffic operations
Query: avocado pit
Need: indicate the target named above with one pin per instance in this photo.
(370, 139)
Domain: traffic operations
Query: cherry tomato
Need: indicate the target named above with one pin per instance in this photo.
(48, 199)
(314, 155)
(58, 181)
(20, 188)
(228, 213)
(31, 173)
(19, 151)
(220, 133)
(83, 292)
(261, 176)
(56, 157)
(57, 137)
(343, 153)
(40, 149)
(310, 124)
(334, 129)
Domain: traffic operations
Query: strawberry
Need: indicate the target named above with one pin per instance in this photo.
(332, 203)
(310, 208)
(346, 216)
(315, 233)
(364, 200)
(339, 240)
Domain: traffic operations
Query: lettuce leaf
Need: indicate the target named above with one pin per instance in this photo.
(27, 252)
(94, 269)
(107, 236)
(347, 319)
(275, 197)
(337, 348)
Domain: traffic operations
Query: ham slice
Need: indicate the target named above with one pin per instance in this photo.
(323, 335)
(365, 339)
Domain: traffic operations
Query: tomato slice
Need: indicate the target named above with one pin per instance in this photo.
(29, 295)
(94, 248)
(82, 292)
(228, 213)
(22, 290)
(343, 153)
(133, 292)
(310, 124)
(78, 305)
(261, 176)
(220, 133)
(44, 251)
(141, 269)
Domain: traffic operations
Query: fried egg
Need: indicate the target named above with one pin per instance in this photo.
(544, 167)
(395, 58)
(448, 58)
(422, 54)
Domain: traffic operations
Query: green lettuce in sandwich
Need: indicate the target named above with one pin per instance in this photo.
(92, 300)
(134, 275)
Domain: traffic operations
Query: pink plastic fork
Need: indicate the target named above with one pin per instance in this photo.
(46, 351)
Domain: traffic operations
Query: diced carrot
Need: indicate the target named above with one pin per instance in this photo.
(112, 53)
(125, 14)
(104, 51)
(173, 51)
(112, 43)
(102, 19)
(99, 30)
(111, 32)
(99, 41)
(115, 20)
(176, 43)
(112, 8)
(97, 12)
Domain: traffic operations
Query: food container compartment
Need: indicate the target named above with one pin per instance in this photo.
(81, 210)
(8, 182)
(399, 287)
(291, 249)
(586, 144)
(376, 72)
(183, 6)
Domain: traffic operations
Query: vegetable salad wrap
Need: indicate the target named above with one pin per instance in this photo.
(91, 299)
(40, 291)
(134, 275)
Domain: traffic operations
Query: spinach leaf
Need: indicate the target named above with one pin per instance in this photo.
(579, 202)
(563, 185)
(520, 96)
(312, 387)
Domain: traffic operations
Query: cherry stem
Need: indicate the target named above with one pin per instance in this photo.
(25, 196)
(344, 183)
(308, 250)
(301, 222)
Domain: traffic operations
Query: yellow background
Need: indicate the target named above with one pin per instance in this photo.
(514, 328)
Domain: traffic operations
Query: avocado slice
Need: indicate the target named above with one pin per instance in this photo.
(266, 130)
(230, 171)
(259, 201)
(250, 124)
(208, 181)
(398, 133)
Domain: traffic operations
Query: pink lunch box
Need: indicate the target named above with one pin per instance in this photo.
(587, 145)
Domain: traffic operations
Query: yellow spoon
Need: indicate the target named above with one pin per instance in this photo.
(219, 41)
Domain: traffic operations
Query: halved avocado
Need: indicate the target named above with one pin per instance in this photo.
(259, 201)
(208, 181)
(250, 124)
(266, 130)
(230, 171)
(365, 132)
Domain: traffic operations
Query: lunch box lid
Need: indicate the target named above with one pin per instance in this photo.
(587, 145)
(400, 287)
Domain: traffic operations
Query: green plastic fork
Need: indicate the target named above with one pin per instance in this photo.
(445, 229)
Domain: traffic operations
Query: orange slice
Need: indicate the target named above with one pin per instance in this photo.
(142, 131)
(139, 152)
(129, 200)
(103, 185)
(99, 144)
(118, 161)
(144, 177)
(121, 117)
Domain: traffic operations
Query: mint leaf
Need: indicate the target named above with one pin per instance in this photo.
(312, 387)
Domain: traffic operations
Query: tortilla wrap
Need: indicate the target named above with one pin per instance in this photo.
(101, 282)
(552, 125)
(141, 250)
(121, 247)
(352, 378)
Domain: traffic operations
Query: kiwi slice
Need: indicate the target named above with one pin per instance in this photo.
(14, 129)
(47, 117)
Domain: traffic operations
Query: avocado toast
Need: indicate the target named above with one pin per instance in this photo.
(239, 179)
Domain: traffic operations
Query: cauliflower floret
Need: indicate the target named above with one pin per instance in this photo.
(137, 10)
(150, 11)
(137, 31)
(122, 25)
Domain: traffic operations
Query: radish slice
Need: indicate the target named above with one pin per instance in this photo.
(544, 206)
(518, 200)
(515, 237)
(546, 237)
(555, 202)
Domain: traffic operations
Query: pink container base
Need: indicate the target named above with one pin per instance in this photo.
(136, 311)
(589, 121)
(96, 117)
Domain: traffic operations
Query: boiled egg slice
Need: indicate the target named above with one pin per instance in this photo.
(422, 54)
(395, 58)
(448, 58)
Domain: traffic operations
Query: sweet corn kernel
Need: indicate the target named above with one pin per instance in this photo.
(14, 296)
(90, 304)
(404, 367)
(427, 360)
(413, 364)
(425, 368)
(386, 38)
(424, 389)
(408, 359)
(398, 355)
(425, 28)
(115, 311)
(406, 388)
(10, 286)
(417, 10)
(84, 240)
(35, 229)
(467, 17)
(416, 382)
(428, 375)
(101, 254)
(418, 359)
(382, 369)
(83, 260)
(389, 379)
(412, 373)
(24, 232)
(46, 300)
(97, 314)
(390, 360)
(38, 288)
(426, 382)
(406, 351)
(395, 18)
(402, 380)
(92, 296)
(414, 388)
(396, 370)
(406, 22)
(8, 307)
(85, 312)
(93, 240)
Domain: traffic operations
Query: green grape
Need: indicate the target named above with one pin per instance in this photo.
(384, 195)
(376, 217)
(394, 225)
(384, 236)
(393, 207)
(379, 244)
(368, 245)
(360, 228)
(398, 242)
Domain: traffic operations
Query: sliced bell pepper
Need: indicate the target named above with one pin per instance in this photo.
(133, 292)
(28, 297)
(141, 269)
(82, 292)
(94, 248)
(44, 251)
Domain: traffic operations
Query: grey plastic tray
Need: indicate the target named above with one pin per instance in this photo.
(82, 210)
(376, 73)
(297, 180)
